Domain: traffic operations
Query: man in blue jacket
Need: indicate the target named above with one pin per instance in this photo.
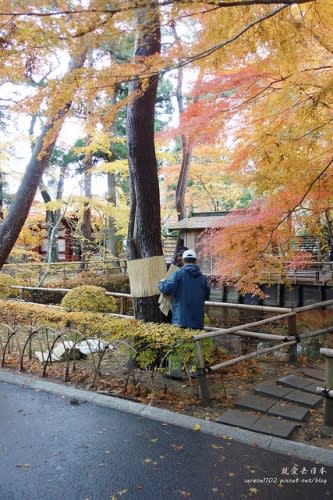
(189, 289)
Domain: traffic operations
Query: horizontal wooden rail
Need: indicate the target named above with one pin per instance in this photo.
(251, 355)
(244, 326)
(259, 335)
(65, 290)
(316, 333)
(72, 264)
(317, 305)
(252, 307)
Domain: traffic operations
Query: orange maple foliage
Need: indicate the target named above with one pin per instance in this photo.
(272, 107)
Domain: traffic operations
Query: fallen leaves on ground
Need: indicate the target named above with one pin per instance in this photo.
(177, 446)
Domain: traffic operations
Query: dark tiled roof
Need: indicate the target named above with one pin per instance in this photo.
(198, 222)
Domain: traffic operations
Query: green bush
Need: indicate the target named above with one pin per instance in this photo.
(89, 298)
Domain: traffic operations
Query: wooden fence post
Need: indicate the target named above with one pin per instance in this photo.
(202, 379)
(328, 412)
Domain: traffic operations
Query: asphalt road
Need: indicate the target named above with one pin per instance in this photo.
(55, 450)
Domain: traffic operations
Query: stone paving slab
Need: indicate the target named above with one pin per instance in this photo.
(270, 406)
(292, 412)
(255, 402)
(313, 387)
(295, 382)
(263, 424)
(317, 373)
(275, 427)
(238, 418)
(303, 398)
(273, 390)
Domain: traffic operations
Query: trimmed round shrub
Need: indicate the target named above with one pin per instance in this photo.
(89, 298)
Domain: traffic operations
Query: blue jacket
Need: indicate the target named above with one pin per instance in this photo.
(189, 289)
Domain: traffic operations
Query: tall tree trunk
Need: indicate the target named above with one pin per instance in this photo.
(144, 234)
(186, 143)
(86, 228)
(51, 218)
(183, 176)
(60, 191)
(1, 196)
(111, 239)
(19, 209)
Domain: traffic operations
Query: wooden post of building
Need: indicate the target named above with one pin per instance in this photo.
(328, 411)
(292, 332)
(202, 379)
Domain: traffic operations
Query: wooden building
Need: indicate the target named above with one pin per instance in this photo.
(69, 248)
(190, 229)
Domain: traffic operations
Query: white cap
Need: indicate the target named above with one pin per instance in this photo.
(189, 254)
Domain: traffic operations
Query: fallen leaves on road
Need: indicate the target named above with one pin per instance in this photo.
(177, 446)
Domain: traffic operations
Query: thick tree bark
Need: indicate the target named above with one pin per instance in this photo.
(86, 228)
(50, 218)
(186, 144)
(183, 176)
(144, 235)
(111, 239)
(1, 196)
(19, 209)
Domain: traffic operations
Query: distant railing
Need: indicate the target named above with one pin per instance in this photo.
(125, 297)
(315, 271)
(66, 269)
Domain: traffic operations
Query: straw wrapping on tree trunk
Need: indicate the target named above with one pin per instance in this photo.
(145, 274)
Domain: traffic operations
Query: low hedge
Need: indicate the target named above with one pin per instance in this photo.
(152, 341)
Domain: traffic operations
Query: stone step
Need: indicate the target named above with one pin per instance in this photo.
(272, 407)
(296, 382)
(288, 394)
(303, 398)
(272, 390)
(258, 423)
(314, 373)
(255, 402)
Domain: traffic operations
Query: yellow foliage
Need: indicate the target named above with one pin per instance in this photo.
(88, 298)
(6, 283)
(150, 341)
(112, 167)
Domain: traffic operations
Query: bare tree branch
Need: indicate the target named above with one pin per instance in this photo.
(293, 209)
(142, 4)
